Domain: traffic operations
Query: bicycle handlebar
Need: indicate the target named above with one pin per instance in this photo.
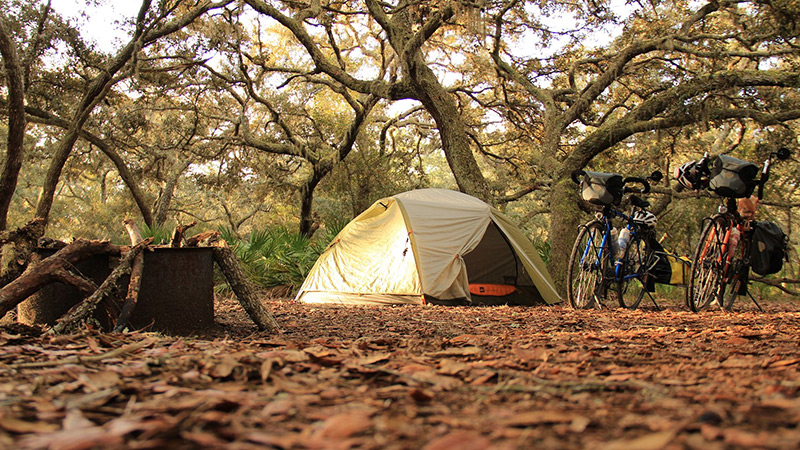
(645, 185)
(782, 154)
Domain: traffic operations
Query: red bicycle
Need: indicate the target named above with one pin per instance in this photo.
(722, 256)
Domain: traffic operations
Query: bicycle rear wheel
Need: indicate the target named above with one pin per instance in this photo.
(630, 287)
(587, 264)
(706, 278)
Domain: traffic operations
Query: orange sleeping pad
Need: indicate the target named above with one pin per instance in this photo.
(496, 290)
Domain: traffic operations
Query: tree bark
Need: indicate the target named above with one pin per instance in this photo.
(177, 235)
(132, 297)
(247, 292)
(47, 270)
(565, 217)
(161, 208)
(16, 121)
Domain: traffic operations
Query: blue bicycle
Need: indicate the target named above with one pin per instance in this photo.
(601, 262)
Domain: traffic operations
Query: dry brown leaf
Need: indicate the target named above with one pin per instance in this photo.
(785, 362)
(224, 368)
(461, 440)
(531, 355)
(98, 381)
(458, 351)
(344, 425)
(538, 418)
(420, 395)
(652, 441)
(75, 420)
(15, 425)
(374, 358)
(452, 367)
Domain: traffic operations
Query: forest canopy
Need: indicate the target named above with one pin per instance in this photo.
(248, 114)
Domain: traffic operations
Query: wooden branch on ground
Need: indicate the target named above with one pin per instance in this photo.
(46, 271)
(81, 283)
(177, 235)
(137, 266)
(84, 309)
(245, 290)
(778, 283)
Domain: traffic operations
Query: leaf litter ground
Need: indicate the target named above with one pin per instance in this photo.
(414, 377)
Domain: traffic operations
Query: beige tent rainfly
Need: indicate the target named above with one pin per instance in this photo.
(430, 246)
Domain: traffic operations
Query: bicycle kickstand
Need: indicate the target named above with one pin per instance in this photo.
(652, 299)
(754, 301)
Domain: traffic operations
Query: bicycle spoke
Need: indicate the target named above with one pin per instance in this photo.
(630, 289)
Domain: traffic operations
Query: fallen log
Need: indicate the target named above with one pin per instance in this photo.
(84, 309)
(204, 238)
(135, 282)
(246, 291)
(50, 269)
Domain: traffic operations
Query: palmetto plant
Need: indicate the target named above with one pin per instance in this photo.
(277, 256)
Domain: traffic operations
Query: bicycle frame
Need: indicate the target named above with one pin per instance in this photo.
(607, 216)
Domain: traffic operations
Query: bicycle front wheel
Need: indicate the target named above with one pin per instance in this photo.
(631, 276)
(706, 278)
(587, 264)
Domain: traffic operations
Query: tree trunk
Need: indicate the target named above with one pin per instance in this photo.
(441, 105)
(16, 121)
(161, 209)
(63, 148)
(565, 217)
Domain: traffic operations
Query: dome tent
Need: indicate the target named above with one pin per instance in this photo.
(429, 245)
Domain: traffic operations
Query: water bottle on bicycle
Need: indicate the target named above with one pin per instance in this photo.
(601, 262)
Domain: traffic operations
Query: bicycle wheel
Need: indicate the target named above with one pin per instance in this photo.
(630, 287)
(587, 264)
(705, 280)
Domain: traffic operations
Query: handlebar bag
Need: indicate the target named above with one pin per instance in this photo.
(767, 248)
(601, 188)
(689, 175)
(732, 177)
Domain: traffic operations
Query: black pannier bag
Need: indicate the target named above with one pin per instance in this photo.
(767, 248)
(732, 177)
(660, 269)
(602, 188)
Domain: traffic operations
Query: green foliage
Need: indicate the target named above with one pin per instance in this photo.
(543, 247)
(277, 256)
(160, 234)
